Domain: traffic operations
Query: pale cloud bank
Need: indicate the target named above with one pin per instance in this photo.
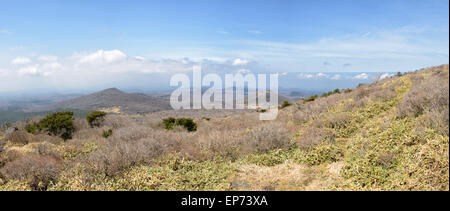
(20, 60)
(240, 62)
(363, 76)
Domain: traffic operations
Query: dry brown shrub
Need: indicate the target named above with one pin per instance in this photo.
(227, 144)
(438, 120)
(132, 133)
(430, 96)
(117, 121)
(267, 137)
(312, 136)
(18, 137)
(118, 156)
(80, 124)
(45, 138)
(37, 170)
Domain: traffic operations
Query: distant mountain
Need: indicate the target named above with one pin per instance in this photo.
(111, 99)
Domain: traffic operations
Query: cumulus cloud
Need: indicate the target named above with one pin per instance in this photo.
(321, 75)
(101, 56)
(361, 76)
(34, 70)
(305, 76)
(240, 62)
(336, 77)
(21, 60)
(385, 75)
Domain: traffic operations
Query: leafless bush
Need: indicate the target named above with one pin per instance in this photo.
(226, 144)
(18, 137)
(117, 121)
(436, 120)
(300, 117)
(45, 138)
(117, 156)
(268, 137)
(361, 93)
(432, 94)
(80, 124)
(37, 170)
(313, 136)
(45, 148)
(132, 133)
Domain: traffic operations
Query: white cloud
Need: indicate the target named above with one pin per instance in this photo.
(385, 75)
(33, 71)
(305, 76)
(4, 31)
(21, 60)
(140, 58)
(52, 66)
(321, 75)
(101, 56)
(361, 76)
(336, 77)
(240, 62)
(284, 73)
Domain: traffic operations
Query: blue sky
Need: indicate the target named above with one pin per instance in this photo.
(44, 41)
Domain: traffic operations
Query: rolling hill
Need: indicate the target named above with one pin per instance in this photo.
(111, 99)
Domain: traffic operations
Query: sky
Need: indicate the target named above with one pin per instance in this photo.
(92, 44)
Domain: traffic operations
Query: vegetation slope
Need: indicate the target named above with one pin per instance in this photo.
(392, 134)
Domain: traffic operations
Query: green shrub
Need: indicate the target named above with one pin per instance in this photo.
(95, 118)
(336, 91)
(107, 133)
(310, 98)
(169, 123)
(285, 104)
(187, 123)
(57, 124)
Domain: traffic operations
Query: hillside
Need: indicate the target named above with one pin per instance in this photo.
(392, 134)
(113, 98)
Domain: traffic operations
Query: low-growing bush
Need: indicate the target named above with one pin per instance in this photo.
(336, 91)
(285, 104)
(187, 123)
(269, 136)
(18, 137)
(312, 136)
(37, 170)
(57, 124)
(118, 156)
(322, 153)
(96, 118)
(310, 98)
(107, 133)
